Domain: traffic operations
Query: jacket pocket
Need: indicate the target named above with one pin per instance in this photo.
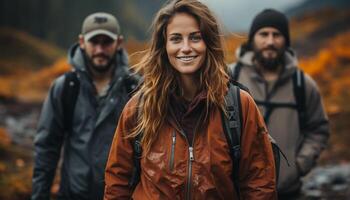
(172, 151)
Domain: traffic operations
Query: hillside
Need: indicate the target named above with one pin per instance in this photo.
(311, 31)
(312, 5)
(60, 21)
(21, 52)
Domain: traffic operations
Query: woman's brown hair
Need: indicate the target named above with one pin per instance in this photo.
(160, 78)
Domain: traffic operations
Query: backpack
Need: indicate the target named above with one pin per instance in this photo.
(232, 124)
(298, 91)
(69, 97)
(70, 94)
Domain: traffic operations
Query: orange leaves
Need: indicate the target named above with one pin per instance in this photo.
(334, 54)
(331, 68)
(32, 86)
(231, 43)
(15, 170)
(5, 139)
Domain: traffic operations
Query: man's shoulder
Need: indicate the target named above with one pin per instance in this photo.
(58, 84)
(310, 83)
(309, 80)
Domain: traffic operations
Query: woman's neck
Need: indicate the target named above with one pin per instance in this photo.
(190, 86)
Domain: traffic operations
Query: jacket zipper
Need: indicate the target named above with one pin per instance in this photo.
(172, 153)
(189, 180)
(190, 158)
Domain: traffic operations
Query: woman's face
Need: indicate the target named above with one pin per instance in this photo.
(184, 44)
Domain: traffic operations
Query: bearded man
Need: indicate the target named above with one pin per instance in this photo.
(287, 97)
(81, 112)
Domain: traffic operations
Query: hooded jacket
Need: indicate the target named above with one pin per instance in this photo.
(87, 145)
(302, 146)
(175, 169)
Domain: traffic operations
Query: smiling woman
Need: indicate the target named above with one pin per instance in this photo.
(184, 45)
(186, 50)
(176, 117)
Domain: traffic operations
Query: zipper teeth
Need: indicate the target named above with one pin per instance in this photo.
(172, 151)
(189, 181)
(190, 158)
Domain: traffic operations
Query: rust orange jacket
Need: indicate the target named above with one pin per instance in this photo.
(172, 170)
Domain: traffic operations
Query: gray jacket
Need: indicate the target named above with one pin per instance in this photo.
(301, 146)
(86, 146)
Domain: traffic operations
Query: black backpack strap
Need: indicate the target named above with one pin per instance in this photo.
(271, 106)
(137, 154)
(232, 125)
(131, 84)
(69, 97)
(237, 71)
(240, 85)
(299, 94)
(136, 170)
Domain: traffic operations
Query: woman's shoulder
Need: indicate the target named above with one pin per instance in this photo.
(247, 102)
(245, 96)
(131, 107)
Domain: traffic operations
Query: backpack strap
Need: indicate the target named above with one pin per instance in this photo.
(131, 84)
(298, 78)
(69, 97)
(137, 154)
(237, 71)
(232, 125)
(136, 170)
(271, 106)
(299, 94)
(232, 128)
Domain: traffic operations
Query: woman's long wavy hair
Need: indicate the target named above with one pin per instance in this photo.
(160, 78)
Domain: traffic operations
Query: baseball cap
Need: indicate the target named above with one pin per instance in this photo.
(100, 23)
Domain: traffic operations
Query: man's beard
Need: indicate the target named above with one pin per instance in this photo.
(100, 68)
(270, 64)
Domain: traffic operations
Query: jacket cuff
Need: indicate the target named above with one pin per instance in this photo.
(304, 165)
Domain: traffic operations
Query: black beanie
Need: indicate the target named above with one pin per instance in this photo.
(270, 18)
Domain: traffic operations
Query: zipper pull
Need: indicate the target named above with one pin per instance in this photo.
(174, 139)
(191, 153)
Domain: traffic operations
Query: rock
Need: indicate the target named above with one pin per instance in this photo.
(328, 182)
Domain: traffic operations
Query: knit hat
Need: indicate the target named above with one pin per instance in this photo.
(100, 23)
(270, 18)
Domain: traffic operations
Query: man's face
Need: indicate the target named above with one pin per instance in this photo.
(269, 47)
(100, 51)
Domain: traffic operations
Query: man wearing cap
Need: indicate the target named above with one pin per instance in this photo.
(289, 99)
(81, 112)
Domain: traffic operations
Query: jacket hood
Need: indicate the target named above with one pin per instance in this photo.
(291, 63)
(77, 60)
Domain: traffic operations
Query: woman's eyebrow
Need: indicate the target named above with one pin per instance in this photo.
(176, 34)
(196, 32)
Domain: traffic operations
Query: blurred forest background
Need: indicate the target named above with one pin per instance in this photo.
(35, 35)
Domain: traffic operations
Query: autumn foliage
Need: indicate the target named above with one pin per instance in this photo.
(331, 67)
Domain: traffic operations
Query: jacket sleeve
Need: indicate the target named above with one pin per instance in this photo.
(316, 130)
(48, 142)
(120, 161)
(257, 165)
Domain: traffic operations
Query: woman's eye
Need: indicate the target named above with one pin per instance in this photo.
(175, 39)
(196, 38)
